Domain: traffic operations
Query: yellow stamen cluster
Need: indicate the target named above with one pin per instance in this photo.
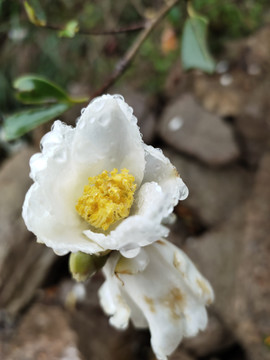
(107, 198)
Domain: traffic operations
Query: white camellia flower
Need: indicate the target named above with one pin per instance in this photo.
(161, 289)
(98, 187)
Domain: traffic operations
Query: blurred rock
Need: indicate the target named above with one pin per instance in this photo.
(252, 304)
(246, 102)
(23, 263)
(43, 334)
(178, 81)
(224, 101)
(213, 194)
(190, 129)
(180, 354)
(241, 93)
(252, 52)
(252, 125)
(216, 254)
(214, 338)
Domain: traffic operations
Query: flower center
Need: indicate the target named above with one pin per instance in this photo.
(107, 198)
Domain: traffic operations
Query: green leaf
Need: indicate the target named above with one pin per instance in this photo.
(33, 89)
(21, 122)
(194, 52)
(71, 28)
(34, 12)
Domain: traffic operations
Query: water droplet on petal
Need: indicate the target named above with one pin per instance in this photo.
(80, 124)
(184, 192)
(98, 105)
(82, 111)
(120, 97)
(104, 120)
(60, 156)
(60, 252)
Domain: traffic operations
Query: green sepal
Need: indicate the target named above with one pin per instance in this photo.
(82, 266)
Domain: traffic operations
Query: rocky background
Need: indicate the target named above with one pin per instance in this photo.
(215, 129)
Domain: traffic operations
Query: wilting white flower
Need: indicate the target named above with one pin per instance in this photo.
(98, 187)
(161, 289)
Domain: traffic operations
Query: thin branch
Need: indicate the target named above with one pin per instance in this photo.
(123, 64)
(131, 28)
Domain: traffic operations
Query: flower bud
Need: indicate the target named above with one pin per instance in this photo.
(82, 266)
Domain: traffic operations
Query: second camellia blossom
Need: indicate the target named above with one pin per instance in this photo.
(99, 190)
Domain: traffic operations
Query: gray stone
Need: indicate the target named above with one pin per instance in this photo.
(252, 304)
(189, 128)
(216, 254)
(23, 262)
(234, 257)
(214, 338)
(43, 334)
(213, 193)
(224, 101)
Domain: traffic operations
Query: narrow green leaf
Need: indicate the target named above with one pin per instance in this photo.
(34, 12)
(33, 89)
(71, 28)
(21, 122)
(194, 52)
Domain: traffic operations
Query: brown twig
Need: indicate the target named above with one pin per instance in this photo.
(123, 64)
(131, 28)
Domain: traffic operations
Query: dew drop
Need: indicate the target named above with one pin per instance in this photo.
(104, 120)
(120, 97)
(60, 252)
(82, 111)
(80, 124)
(98, 105)
(175, 123)
(60, 156)
(184, 193)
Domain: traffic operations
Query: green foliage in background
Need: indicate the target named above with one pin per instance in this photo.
(71, 59)
(231, 19)
(37, 90)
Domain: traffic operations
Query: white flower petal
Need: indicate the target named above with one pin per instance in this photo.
(60, 175)
(159, 169)
(130, 235)
(172, 302)
(107, 137)
(140, 229)
(138, 264)
(110, 297)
